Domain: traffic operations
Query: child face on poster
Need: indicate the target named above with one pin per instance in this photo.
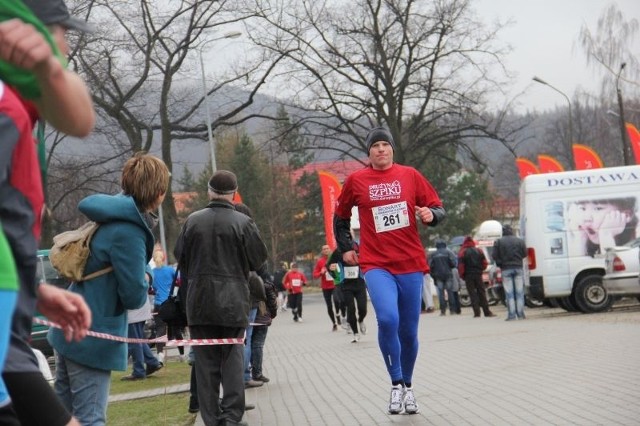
(599, 221)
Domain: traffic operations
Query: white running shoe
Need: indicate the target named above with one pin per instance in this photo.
(356, 338)
(409, 402)
(160, 357)
(395, 399)
(363, 327)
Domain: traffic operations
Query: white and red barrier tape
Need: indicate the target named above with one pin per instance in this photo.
(163, 339)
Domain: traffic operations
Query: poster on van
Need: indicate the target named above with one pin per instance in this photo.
(586, 227)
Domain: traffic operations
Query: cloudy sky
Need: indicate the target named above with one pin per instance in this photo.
(544, 37)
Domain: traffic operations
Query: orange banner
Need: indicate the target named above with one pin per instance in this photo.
(526, 167)
(331, 188)
(586, 158)
(634, 140)
(548, 164)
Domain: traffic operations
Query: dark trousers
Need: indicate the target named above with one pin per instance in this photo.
(338, 301)
(295, 303)
(477, 294)
(219, 365)
(355, 296)
(162, 328)
(257, 349)
(327, 294)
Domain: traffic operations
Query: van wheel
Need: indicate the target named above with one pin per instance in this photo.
(567, 303)
(533, 303)
(591, 296)
(465, 301)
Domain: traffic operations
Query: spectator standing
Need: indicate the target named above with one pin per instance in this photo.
(471, 264)
(441, 264)
(391, 199)
(163, 276)
(64, 102)
(257, 295)
(509, 252)
(267, 310)
(144, 362)
(124, 241)
(326, 284)
(278, 275)
(293, 281)
(427, 295)
(216, 249)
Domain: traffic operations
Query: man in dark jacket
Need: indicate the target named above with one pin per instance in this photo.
(471, 264)
(216, 249)
(508, 252)
(441, 264)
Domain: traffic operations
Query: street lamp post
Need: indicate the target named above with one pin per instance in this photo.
(541, 81)
(205, 95)
(623, 128)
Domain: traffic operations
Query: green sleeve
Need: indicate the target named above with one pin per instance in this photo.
(8, 274)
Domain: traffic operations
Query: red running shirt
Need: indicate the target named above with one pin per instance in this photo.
(386, 201)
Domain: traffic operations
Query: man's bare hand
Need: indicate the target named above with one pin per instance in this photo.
(424, 214)
(23, 46)
(67, 309)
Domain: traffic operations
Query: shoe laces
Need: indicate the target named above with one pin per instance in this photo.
(409, 400)
(396, 396)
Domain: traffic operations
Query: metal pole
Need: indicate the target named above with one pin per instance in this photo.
(541, 81)
(163, 240)
(623, 128)
(205, 95)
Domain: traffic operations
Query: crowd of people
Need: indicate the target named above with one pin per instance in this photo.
(222, 260)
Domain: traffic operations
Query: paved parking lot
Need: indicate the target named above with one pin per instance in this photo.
(553, 368)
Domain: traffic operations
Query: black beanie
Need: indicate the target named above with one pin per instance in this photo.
(379, 134)
(223, 182)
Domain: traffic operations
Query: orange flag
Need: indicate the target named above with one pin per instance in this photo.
(331, 188)
(586, 158)
(526, 167)
(548, 164)
(634, 140)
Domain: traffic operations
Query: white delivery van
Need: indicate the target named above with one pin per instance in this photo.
(567, 220)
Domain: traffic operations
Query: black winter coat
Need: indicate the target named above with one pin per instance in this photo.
(216, 249)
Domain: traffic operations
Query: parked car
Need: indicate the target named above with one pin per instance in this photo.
(45, 273)
(622, 269)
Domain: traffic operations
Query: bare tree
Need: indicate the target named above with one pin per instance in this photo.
(141, 63)
(424, 69)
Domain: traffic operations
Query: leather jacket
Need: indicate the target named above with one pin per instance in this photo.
(216, 249)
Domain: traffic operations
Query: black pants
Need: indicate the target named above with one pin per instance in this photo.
(338, 300)
(295, 303)
(327, 293)
(219, 365)
(477, 294)
(355, 296)
(162, 328)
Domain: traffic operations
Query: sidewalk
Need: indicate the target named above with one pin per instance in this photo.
(553, 368)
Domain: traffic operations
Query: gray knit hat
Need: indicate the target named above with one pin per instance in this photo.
(379, 134)
(52, 12)
(223, 182)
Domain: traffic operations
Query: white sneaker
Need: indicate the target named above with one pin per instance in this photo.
(161, 357)
(356, 338)
(395, 399)
(299, 319)
(363, 327)
(409, 402)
